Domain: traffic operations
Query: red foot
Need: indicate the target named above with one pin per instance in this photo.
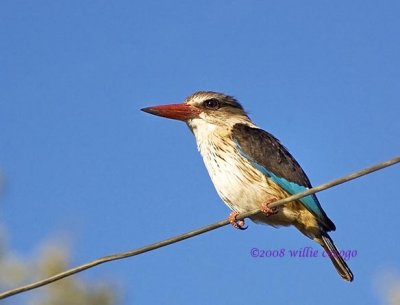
(266, 210)
(235, 223)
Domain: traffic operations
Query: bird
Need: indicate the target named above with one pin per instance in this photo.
(250, 168)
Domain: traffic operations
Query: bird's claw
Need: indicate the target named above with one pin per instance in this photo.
(266, 210)
(237, 224)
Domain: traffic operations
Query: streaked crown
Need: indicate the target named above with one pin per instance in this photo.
(215, 101)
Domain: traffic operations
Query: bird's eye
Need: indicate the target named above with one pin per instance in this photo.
(212, 103)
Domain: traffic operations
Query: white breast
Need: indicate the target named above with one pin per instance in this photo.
(239, 185)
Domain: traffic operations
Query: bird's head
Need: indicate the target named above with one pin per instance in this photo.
(203, 108)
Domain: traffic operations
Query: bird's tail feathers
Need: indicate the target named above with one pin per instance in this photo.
(337, 260)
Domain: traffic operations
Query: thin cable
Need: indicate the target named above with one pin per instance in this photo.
(196, 232)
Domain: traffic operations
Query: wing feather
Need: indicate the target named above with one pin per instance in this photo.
(269, 156)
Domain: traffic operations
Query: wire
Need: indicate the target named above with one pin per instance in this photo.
(195, 232)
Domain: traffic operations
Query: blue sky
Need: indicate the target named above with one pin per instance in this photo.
(80, 159)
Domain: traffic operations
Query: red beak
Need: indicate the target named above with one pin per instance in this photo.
(182, 112)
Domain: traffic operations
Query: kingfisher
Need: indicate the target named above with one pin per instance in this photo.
(250, 168)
